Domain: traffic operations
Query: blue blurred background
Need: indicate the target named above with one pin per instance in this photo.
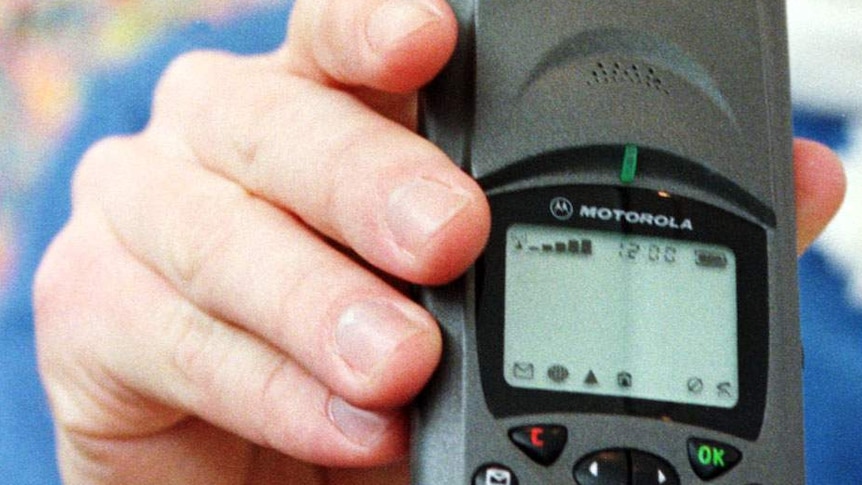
(61, 61)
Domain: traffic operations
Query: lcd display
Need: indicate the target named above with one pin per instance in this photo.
(619, 314)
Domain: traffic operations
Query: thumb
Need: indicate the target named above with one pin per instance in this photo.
(820, 187)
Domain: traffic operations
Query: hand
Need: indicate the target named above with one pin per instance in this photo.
(220, 308)
(820, 188)
(212, 314)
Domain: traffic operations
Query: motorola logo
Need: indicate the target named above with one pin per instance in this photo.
(562, 208)
(633, 217)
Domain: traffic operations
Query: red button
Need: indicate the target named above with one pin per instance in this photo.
(541, 442)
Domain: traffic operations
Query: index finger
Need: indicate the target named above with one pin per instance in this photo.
(394, 46)
(322, 155)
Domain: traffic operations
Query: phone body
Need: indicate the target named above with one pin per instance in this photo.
(634, 318)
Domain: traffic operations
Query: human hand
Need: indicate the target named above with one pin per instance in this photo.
(217, 309)
(820, 188)
(211, 313)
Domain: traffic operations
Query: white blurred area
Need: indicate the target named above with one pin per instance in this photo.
(826, 73)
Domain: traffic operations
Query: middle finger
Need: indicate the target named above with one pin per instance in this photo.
(243, 260)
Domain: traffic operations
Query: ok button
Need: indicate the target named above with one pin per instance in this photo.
(710, 459)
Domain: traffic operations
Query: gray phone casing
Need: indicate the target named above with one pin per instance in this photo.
(704, 81)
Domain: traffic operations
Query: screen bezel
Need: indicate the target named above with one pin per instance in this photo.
(709, 225)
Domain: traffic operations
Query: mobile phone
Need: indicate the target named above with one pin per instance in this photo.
(633, 319)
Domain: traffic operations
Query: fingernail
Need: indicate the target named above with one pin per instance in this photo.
(359, 425)
(368, 333)
(395, 20)
(418, 210)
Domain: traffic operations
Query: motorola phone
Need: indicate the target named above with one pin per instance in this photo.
(633, 319)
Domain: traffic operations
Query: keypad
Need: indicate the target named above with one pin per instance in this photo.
(545, 443)
(624, 467)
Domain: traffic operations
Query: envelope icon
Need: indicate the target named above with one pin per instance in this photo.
(497, 476)
(523, 370)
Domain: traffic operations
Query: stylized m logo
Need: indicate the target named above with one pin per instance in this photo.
(562, 208)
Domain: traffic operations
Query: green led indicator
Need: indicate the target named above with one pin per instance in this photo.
(630, 164)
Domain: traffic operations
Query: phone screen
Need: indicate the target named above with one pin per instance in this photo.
(618, 314)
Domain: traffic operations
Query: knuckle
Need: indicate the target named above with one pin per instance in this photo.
(196, 336)
(204, 247)
(97, 163)
(186, 71)
(270, 396)
(51, 281)
(225, 369)
(61, 315)
(69, 281)
(342, 190)
(192, 77)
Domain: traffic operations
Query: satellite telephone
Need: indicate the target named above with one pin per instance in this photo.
(633, 319)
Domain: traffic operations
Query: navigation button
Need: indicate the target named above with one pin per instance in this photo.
(543, 443)
(710, 459)
(649, 469)
(608, 467)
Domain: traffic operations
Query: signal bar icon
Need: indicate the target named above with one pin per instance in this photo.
(572, 246)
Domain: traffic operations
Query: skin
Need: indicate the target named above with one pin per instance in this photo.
(222, 306)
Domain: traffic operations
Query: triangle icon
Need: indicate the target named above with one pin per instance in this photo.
(591, 379)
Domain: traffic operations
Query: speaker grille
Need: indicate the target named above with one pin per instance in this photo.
(628, 73)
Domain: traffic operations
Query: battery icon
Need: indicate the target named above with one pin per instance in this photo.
(710, 259)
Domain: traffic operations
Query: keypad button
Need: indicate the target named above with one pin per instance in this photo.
(608, 467)
(710, 459)
(541, 442)
(494, 474)
(649, 469)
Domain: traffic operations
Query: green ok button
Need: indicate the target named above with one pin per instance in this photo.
(710, 459)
